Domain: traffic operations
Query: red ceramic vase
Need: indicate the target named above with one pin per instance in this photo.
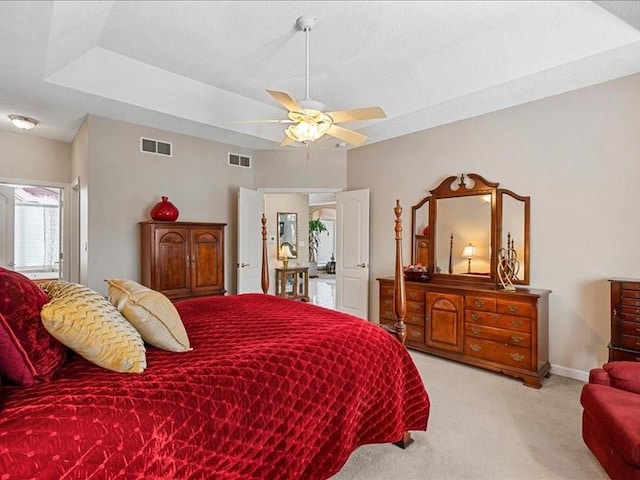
(425, 231)
(164, 211)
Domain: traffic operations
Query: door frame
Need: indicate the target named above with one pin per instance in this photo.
(64, 210)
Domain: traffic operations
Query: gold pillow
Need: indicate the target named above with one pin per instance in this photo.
(87, 323)
(151, 312)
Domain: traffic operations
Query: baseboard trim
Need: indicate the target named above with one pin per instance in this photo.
(570, 373)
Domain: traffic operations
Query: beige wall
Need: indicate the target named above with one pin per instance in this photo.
(124, 184)
(577, 155)
(286, 203)
(292, 169)
(25, 157)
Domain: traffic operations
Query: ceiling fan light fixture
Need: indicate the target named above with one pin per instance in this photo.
(307, 130)
(23, 123)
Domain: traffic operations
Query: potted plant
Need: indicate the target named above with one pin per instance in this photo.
(316, 227)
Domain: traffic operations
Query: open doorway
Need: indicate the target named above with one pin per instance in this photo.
(322, 284)
(31, 239)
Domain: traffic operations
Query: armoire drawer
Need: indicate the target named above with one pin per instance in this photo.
(631, 342)
(484, 304)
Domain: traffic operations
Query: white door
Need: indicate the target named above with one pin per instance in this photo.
(7, 205)
(249, 271)
(352, 252)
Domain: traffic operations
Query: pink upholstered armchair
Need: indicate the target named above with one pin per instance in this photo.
(611, 418)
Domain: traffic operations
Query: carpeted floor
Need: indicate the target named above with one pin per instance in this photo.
(485, 425)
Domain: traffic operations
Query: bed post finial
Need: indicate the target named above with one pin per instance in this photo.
(265, 263)
(399, 299)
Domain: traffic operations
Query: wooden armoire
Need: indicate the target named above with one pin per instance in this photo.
(183, 259)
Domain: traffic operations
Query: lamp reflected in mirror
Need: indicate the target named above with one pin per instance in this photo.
(469, 252)
(285, 255)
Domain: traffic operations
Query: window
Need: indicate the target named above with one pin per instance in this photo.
(31, 221)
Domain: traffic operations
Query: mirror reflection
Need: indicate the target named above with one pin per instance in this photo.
(463, 236)
(287, 235)
(459, 230)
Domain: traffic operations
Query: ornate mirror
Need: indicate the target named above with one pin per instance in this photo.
(459, 230)
(287, 235)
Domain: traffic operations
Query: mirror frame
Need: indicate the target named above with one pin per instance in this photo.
(454, 187)
(294, 243)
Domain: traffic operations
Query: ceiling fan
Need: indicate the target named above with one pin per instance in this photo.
(308, 119)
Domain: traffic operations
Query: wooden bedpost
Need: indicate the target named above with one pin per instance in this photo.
(265, 263)
(400, 302)
(399, 298)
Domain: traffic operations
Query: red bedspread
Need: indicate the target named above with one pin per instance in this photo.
(272, 389)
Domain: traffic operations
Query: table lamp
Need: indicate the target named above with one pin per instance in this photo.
(285, 254)
(469, 252)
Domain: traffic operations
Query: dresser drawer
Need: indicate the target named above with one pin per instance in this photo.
(630, 285)
(630, 301)
(497, 352)
(629, 310)
(630, 293)
(415, 307)
(616, 355)
(630, 318)
(387, 313)
(520, 324)
(415, 334)
(484, 304)
(630, 342)
(507, 337)
(415, 295)
(630, 328)
(386, 291)
(515, 308)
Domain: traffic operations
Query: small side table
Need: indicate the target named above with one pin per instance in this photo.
(293, 282)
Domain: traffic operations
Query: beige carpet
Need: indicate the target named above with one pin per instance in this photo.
(485, 425)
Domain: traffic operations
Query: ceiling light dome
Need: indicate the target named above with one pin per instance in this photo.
(24, 123)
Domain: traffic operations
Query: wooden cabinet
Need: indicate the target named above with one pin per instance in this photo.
(483, 326)
(183, 259)
(625, 320)
(293, 283)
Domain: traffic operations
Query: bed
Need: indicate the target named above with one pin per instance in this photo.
(271, 389)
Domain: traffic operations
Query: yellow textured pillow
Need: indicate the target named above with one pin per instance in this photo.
(151, 312)
(87, 323)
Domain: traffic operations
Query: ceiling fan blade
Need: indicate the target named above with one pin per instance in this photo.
(260, 121)
(354, 138)
(286, 101)
(287, 141)
(367, 113)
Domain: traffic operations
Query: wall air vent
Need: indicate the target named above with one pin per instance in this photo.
(149, 145)
(239, 160)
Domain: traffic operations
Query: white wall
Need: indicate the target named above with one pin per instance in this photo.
(577, 155)
(292, 169)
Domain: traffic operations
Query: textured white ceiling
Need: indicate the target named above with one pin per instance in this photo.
(193, 67)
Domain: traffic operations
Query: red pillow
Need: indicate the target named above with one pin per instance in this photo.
(624, 375)
(29, 354)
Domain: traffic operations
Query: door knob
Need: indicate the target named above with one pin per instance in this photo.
(244, 265)
(362, 265)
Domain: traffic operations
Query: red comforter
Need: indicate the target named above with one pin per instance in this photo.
(272, 389)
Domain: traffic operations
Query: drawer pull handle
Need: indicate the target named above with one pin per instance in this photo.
(413, 295)
(517, 323)
(518, 357)
(388, 301)
(475, 330)
(475, 317)
(516, 338)
(478, 303)
(513, 308)
(415, 307)
(388, 314)
(475, 347)
(415, 334)
(638, 329)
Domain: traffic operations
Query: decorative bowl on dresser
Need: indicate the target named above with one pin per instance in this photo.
(463, 315)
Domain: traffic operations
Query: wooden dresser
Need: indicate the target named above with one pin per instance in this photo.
(183, 259)
(625, 319)
(483, 326)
